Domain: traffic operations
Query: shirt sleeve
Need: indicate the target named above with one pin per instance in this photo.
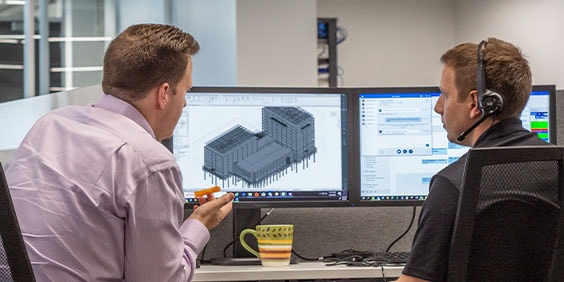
(158, 245)
(430, 250)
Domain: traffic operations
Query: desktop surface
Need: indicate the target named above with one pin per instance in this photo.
(302, 270)
(242, 261)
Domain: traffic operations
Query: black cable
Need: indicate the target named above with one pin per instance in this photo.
(305, 258)
(383, 275)
(202, 260)
(319, 56)
(352, 260)
(237, 238)
(408, 228)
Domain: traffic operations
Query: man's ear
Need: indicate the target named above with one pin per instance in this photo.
(472, 100)
(162, 97)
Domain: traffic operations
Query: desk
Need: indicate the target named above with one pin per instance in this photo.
(302, 270)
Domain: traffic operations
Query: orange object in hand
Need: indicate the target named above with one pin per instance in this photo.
(206, 191)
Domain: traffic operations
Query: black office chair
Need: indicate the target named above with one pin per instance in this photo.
(14, 261)
(507, 223)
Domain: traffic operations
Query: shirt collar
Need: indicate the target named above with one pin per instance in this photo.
(121, 107)
(498, 130)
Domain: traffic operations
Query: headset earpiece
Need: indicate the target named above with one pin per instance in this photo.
(490, 102)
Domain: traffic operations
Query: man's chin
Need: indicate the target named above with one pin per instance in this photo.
(452, 139)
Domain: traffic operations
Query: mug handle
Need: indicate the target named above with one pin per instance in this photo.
(244, 244)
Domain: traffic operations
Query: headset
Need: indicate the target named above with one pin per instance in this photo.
(489, 102)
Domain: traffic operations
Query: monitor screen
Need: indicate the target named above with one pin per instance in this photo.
(402, 143)
(269, 146)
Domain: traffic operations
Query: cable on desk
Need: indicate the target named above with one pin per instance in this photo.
(407, 230)
(352, 260)
(357, 260)
(202, 260)
(383, 275)
(305, 258)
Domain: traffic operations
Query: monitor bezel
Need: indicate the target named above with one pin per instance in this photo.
(313, 90)
(551, 89)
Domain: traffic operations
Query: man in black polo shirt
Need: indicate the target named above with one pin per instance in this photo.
(496, 117)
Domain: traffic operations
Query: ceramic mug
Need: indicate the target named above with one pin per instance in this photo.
(274, 243)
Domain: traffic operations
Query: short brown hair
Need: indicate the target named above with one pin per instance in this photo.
(506, 69)
(144, 56)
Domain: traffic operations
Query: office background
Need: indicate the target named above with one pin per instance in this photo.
(274, 43)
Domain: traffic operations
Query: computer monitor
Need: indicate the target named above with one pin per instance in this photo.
(540, 113)
(402, 143)
(271, 147)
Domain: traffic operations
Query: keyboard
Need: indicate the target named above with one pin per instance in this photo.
(394, 257)
(389, 257)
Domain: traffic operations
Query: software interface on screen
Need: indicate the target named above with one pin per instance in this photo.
(403, 143)
(264, 146)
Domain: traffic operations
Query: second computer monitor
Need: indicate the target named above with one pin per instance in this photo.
(402, 142)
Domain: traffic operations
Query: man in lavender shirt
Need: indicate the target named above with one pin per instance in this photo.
(98, 197)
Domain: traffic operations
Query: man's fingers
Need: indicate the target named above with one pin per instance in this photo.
(225, 199)
(217, 203)
(210, 196)
(211, 213)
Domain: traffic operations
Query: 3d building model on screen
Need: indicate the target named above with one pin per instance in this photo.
(257, 159)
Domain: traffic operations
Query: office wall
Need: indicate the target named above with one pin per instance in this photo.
(535, 26)
(277, 43)
(390, 42)
(140, 11)
(399, 42)
(214, 25)
(243, 42)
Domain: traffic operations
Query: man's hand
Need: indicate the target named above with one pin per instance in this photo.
(212, 211)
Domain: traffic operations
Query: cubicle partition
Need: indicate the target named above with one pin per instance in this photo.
(18, 116)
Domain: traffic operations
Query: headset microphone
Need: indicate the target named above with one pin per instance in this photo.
(490, 102)
(467, 131)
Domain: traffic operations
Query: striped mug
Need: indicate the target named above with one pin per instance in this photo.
(274, 243)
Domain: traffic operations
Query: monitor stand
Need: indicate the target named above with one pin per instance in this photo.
(242, 261)
(235, 261)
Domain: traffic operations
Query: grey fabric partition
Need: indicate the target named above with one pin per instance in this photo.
(321, 231)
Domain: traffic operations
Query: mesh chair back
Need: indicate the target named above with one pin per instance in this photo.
(508, 215)
(14, 261)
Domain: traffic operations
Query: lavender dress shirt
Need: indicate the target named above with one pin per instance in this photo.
(99, 199)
